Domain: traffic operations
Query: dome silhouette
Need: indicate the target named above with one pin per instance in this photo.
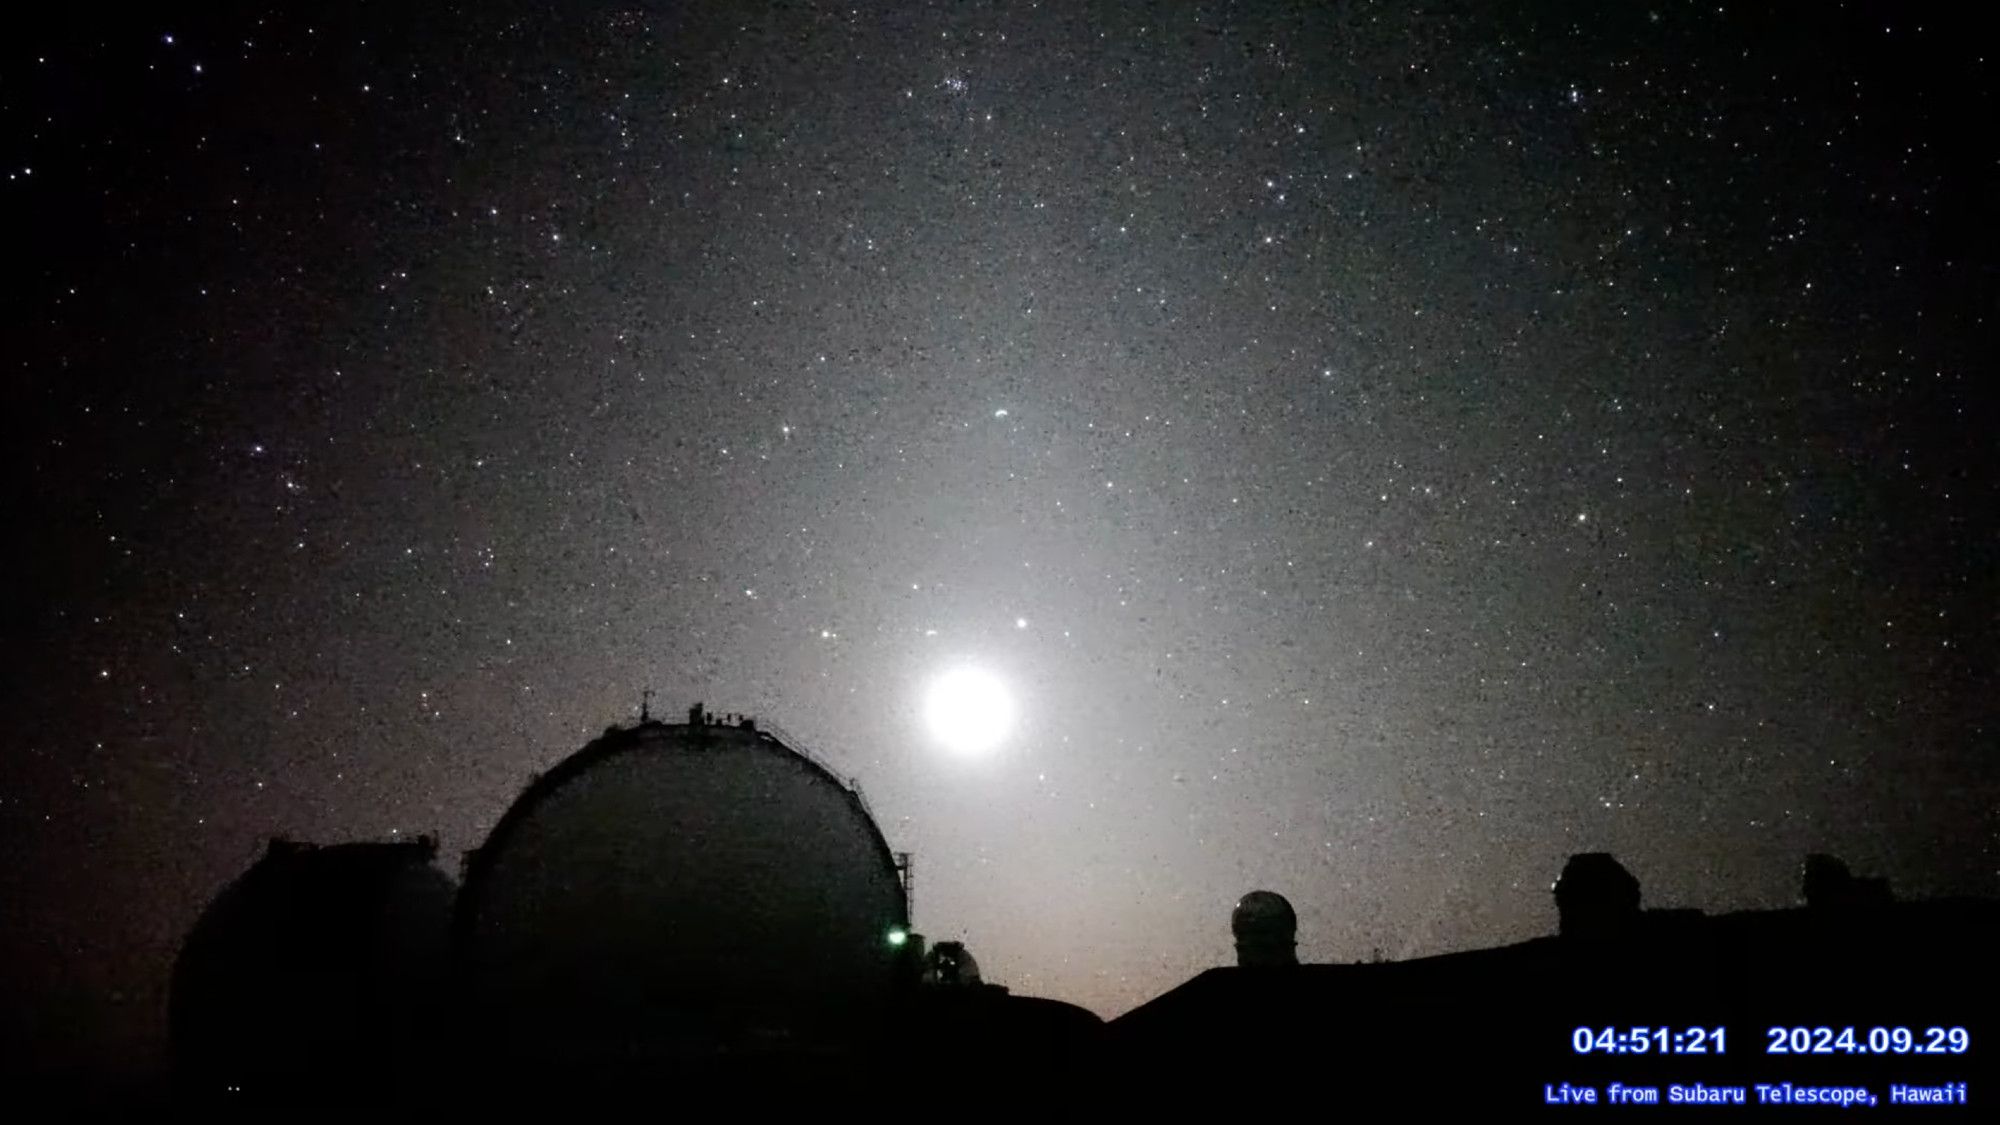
(950, 964)
(1265, 929)
(677, 889)
(1595, 896)
(317, 964)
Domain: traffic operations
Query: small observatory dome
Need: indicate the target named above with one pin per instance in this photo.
(1266, 930)
(952, 965)
(318, 972)
(678, 890)
(1595, 897)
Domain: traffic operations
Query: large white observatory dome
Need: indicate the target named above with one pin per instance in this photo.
(676, 889)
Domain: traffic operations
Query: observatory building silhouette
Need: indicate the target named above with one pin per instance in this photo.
(1265, 929)
(1851, 955)
(677, 891)
(319, 971)
(1596, 897)
(705, 905)
(698, 902)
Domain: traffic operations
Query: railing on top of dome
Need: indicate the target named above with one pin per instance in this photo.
(699, 715)
(796, 745)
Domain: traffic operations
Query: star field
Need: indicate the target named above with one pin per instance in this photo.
(1383, 451)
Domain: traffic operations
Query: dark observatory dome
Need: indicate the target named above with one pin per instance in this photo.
(1263, 912)
(676, 890)
(320, 969)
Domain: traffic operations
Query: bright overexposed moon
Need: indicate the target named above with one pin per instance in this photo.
(968, 710)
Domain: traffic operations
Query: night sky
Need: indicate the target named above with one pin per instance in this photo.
(1382, 450)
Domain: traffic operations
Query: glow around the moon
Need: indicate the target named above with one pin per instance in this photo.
(969, 711)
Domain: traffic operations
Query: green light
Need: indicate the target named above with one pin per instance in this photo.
(898, 935)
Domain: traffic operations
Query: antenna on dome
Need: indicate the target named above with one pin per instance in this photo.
(646, 705)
